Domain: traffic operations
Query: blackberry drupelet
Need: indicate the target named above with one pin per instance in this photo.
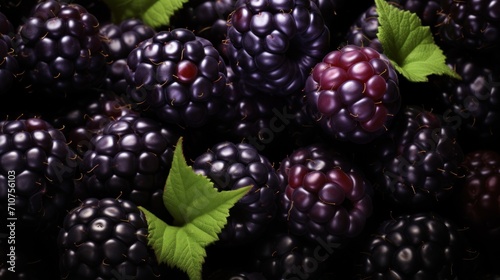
(129, 159)
(324, 196)
(101, 239)
(353, 94)
(9, 68)
(232, 166)
(60, 50)
(272, 44)
(34, 157)
(417, 164)
(179, 77)
(417, 246)
(120, 39)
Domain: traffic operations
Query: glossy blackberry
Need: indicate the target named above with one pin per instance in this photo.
(120, 40)
(272, 45)
(248, 276)
(9, 68)
(473, 103)
(39, 167)
(179, 77)
(353, 94)
(417, 246)
(417, 162)
(472, 25)
(60, 50)
(232, 166)
(324, 196)
(105, 239)
(129, 159)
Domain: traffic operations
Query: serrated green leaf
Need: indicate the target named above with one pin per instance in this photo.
(409, 45)
(155, 13)
(200, 212)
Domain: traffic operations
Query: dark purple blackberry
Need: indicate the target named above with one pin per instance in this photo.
(473, 103)
(129, 159)
(38, 167)
(9, 68)
(353, 94)
(106, 239)
(324, 196)
(231, 166)
(418, 246)
(60, 50)
(120, 40)
(272, 45)
(417, 162)
(472, 25)
(179, 77)
(248, 276)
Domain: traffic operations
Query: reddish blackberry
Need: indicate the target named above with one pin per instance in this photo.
(9, 68)
(120, 40)
(39, 167)
(232, 166)
(60, 49)
(179, 77)
(104, 239)
(353, 94)
(272, 45)
(417, 162)
(129, 159)
(324, 196)
(418, 246)
(473, 25)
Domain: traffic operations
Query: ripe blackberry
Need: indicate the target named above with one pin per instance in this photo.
(418, 246)
(472, 25)
(272, 45)
(353, 94)
(179, 77)
(104, 239)
(39, 167)
(232, 166)
(129, 159)
(417, 162)
(60, 49)
(9, 68)
(120, 40)
(324, 196)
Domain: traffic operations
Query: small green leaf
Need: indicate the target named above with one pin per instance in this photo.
(409, 45)
(200, 212)
(155, 13)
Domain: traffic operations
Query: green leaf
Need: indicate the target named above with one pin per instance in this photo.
(409, 45)
(155, 13)
(200, 212)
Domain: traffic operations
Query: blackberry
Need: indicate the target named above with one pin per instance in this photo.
(38, 165)
(120, 40)
(60, 50)
(471, 25)
(129, 159)
(9, 68)
(353, 94)
(324, 196)
(232, 166)
(104, 239)
(417, 164)
(179, 77)
(272, 45)
(417, 246)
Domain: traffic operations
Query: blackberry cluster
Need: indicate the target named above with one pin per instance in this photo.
(129, 159)
(39, 167)
(272, 45)
(232, 166)
(60, 50)
(353, 94)
(9, 68)
(418, 246)
(106, 239)
(324, 196)
(120, 39)
(418, 162)
(179, 77)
